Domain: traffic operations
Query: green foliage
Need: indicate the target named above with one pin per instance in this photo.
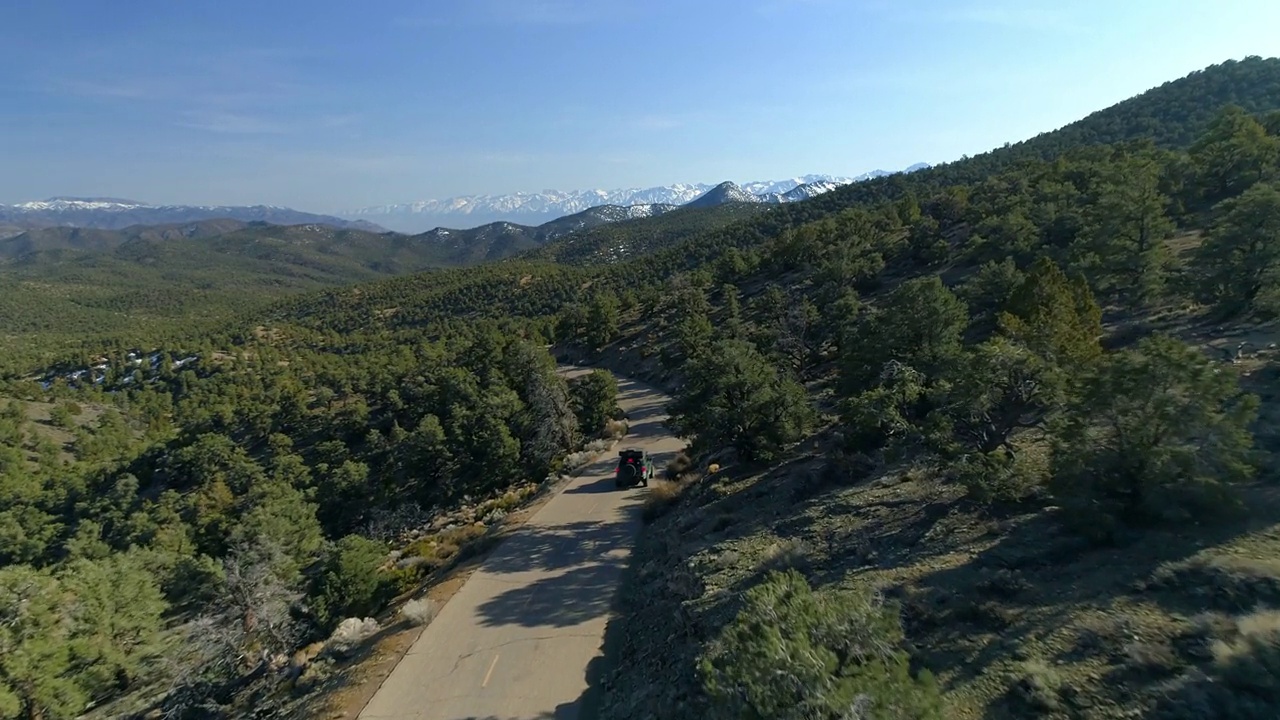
(71, 637)
(1053, 316)
(733, 396)
(890, 414)
(994, 390)
(36, 677)
(988, 290)
(1126, 252)
(795, 653)
(350, 584)
(1234, 153)
(547, 420)
(603, 315)
(1159, 433)
(60, 415)
(595, 399)
(1239, 261)
(920, 324)
(115, 608)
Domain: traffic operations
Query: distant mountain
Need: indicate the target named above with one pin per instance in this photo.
(531, 209)
(117, 213)
(727, 192)
(502, 239)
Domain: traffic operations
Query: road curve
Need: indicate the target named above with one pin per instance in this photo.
(515, 641)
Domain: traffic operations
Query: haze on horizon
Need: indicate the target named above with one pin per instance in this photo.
(326, 107)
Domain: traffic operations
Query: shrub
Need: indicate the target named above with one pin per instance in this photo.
(419, 611)
(350, 582)
(350, 634)
(678, 466)
(60, 416)
(786, 554)
(1038, 686)
(616, 429)
(997, 476)
(1230, 583)
(793, 653)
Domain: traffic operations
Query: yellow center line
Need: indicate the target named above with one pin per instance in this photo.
(489, 674)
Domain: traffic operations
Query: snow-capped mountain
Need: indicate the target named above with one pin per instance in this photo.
(729, 192)
(116, 214)
(469, 211)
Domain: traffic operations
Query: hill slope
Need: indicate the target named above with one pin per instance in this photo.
(1170, 116)
(64, 287)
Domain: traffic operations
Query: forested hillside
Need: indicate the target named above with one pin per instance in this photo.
(978, 417)
(225, 512)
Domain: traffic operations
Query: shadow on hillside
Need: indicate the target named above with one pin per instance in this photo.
(1018, 591)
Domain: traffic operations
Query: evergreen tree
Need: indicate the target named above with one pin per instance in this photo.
(733, 396)
(1239, 262)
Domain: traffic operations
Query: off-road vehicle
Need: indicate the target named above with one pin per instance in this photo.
(634, 466)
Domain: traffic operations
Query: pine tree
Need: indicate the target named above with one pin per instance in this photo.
(1054, 316)
(1239, 261)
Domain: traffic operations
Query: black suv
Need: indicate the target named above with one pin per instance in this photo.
(634, 466)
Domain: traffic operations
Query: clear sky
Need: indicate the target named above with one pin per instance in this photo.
(325, 105)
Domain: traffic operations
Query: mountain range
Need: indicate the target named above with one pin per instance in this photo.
(116, 214)
(470, 211)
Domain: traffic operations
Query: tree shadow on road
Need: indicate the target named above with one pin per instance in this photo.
(563, 600)
(556, 547)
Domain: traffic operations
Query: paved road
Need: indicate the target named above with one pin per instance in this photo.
(515, 641)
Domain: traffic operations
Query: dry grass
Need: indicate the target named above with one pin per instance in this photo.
(785, 554)
(40, 424)
(662, 496)
(1038, 686)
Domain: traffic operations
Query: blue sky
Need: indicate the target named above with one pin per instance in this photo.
(325, 105)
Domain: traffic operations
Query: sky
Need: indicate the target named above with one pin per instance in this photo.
(329, 106)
